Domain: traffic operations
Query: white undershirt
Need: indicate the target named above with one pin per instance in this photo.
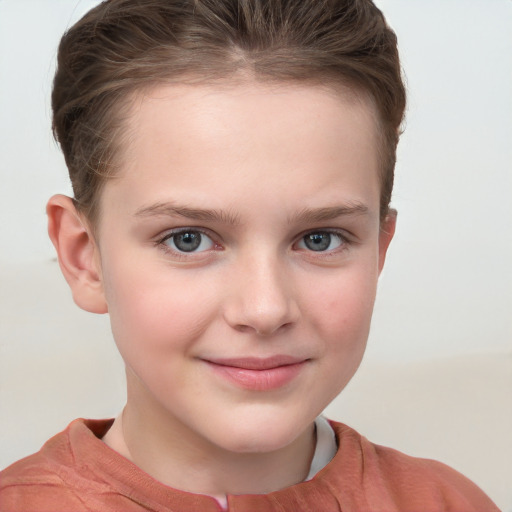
(325, 449)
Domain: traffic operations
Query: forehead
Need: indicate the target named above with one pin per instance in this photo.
(228, 113)
(230, 137)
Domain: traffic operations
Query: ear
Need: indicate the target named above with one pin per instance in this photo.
(77, 252)
(387, 230)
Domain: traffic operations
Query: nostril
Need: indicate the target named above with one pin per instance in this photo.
(262, 330)
(243, 328)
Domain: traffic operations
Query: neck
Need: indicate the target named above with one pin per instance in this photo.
(162, 447)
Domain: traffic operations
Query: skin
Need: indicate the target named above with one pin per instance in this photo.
(254, 168)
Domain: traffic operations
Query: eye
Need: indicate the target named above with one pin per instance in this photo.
(188, 241)
(320, 241)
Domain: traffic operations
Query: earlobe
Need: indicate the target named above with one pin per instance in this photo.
(387, 230)
(77, 252)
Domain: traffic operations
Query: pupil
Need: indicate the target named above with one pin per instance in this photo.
(317, 241)
(187, 242)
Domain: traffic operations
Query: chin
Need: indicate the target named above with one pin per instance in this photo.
(262, 434)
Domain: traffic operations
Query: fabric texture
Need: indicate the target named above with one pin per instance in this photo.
(75, 471)
(326, 446)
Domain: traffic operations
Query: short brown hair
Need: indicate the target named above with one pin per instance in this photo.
(121, 46)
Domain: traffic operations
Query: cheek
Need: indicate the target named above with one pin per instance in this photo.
(341, 318)
(156, 307)
(341, 307)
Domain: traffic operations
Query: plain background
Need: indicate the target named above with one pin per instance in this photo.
(438, 367)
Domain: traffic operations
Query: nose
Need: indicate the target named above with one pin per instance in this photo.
(262, 298)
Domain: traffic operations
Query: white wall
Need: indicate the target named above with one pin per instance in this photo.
(447, 288)
(448, 285)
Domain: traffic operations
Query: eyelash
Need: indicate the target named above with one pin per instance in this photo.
(161, 242)
(345, 242)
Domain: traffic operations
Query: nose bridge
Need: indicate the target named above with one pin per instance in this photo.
(262, 298)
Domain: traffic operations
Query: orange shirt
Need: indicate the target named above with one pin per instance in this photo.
(75, 471)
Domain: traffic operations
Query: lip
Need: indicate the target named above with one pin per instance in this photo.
(258, 374)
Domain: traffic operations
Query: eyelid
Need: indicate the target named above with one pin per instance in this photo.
(342, 233)
(163, 237)
(346, 239)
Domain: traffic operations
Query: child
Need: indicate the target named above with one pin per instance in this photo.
(232, 165)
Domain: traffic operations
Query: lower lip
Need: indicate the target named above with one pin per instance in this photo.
(259, 380)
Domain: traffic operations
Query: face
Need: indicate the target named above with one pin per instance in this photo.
(240, 249)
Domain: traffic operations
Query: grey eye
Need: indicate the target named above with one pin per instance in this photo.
(189, 241)
(320, 241)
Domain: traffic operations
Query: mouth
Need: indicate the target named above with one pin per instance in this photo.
(258, 374)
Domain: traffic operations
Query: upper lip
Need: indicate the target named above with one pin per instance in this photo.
(257, 363)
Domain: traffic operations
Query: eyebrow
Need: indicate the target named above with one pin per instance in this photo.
(171, 209)
(312, 215)
(305, 216)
